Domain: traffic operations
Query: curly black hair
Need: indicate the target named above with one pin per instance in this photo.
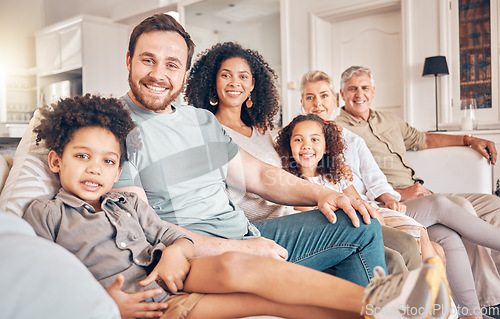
(68, 115)
(332, 165)
(201, 83)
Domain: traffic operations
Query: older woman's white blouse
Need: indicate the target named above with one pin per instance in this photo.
(369, 180)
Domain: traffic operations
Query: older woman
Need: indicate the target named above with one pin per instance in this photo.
(318, 97)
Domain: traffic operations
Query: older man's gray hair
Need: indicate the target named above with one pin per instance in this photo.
(355, 71)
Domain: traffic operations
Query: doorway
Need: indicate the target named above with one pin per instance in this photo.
(368, 37)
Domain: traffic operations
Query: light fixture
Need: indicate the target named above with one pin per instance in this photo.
(435, 65)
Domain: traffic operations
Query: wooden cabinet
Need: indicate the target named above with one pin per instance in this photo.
(86, 49)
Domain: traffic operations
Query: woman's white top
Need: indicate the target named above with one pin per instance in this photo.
(369, 180)
(260, 146)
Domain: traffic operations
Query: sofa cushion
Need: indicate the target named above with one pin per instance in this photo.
(30, 176)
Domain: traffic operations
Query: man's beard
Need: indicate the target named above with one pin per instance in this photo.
(154, 105)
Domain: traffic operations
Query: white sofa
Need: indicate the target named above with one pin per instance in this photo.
(456, 169)
(453, 169)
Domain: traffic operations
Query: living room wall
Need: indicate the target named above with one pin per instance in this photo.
(421, 38)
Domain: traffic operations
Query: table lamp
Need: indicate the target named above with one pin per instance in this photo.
(435, 65)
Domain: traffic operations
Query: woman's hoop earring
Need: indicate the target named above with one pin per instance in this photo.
(249, 102)
(214, 100)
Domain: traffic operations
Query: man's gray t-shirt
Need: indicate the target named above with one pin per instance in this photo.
(180, 160)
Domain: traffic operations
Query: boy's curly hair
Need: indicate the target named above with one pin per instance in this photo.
(201, 83)
(68, 115)
(331, 166)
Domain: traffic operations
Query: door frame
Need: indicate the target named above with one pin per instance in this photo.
(320, 23)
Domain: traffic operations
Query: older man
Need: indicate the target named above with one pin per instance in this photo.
(388, 138)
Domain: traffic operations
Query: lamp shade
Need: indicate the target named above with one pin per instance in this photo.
(435, 65)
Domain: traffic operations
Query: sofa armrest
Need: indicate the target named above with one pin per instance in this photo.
(455, 169)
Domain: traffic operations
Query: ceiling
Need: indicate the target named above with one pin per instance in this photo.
(221, 14)
(213, 14)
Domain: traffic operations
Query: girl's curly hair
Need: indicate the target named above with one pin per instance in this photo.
(331, 166)
(201, 83)
(68, 115)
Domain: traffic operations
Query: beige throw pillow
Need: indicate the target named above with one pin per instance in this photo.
(30, 176)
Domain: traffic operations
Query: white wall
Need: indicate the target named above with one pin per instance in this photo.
(421, 39)
(296, 38)
(263, 37)
(18, 22)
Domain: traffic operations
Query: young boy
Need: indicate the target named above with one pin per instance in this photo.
(138, 257)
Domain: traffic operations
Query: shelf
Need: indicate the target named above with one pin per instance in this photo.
(74, 73)
(20, 111)
(474, 19)
(10, 88)
(20, 96)
(475, 48)
(8, 141)
(472, 83)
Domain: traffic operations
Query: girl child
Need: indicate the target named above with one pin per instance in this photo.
(313, 149)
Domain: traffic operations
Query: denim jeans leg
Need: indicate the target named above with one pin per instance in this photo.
(312, 241)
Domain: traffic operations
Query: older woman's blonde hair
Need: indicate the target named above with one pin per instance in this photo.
(315, 76)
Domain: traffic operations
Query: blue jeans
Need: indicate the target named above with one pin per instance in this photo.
(312, 241)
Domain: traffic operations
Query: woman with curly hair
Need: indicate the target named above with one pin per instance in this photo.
(238, 86)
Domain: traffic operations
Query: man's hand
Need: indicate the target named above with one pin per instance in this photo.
(396, 205)
(333, 201)
(130, 305)
(485, 148)
(263, 247)
(414, 191)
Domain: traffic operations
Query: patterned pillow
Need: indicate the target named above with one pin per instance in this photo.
(30, 176)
